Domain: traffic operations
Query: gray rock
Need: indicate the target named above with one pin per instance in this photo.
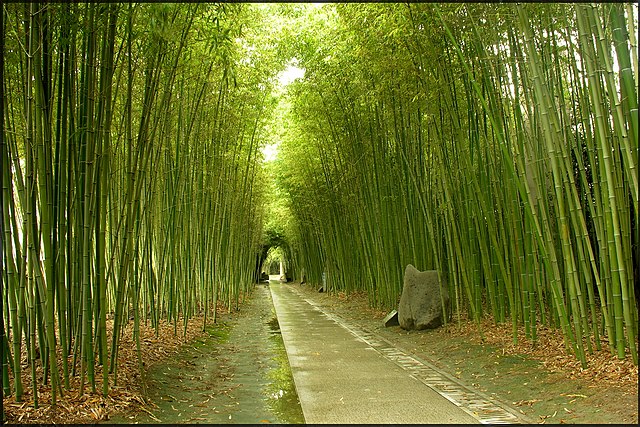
(391, 319)
(420, 306)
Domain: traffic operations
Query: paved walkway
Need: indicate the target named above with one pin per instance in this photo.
(344, 375)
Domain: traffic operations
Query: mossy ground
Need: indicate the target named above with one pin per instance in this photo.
(237, 373)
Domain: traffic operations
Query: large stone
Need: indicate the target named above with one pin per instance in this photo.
(420, 306)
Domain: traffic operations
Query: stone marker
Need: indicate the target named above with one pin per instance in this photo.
(420, 306)
(391, 319)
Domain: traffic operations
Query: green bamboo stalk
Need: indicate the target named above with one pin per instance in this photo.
(11, 255)
(619, 278)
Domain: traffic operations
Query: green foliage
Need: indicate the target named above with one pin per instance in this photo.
(132, 179)
(471, 139)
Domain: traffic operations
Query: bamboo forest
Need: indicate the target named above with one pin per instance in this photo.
(159, 158)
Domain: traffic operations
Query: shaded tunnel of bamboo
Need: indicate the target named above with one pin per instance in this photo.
(495, 143)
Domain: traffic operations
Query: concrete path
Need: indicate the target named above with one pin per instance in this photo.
(343, 376)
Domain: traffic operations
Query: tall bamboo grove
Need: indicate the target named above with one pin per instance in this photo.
(131, 186)
(497, 144)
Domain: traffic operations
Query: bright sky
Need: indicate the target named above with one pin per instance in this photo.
(287, 76)
(290, 74)
(270, 152)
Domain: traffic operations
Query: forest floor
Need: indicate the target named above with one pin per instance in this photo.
(236, 371)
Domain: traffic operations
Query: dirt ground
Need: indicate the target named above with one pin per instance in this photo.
(234, 372)
(237, 372)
